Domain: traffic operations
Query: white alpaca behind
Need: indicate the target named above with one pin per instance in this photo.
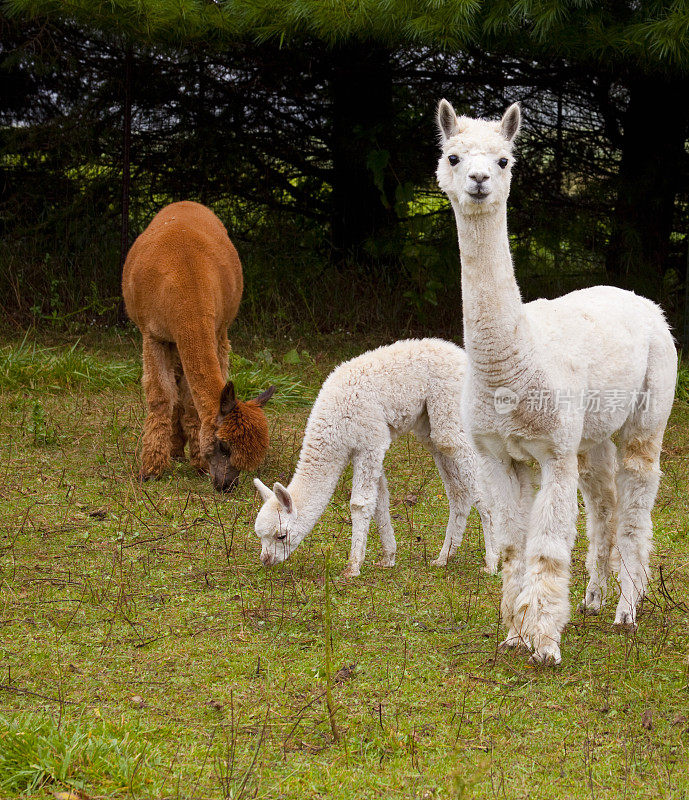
(412, 386)
(570, 372)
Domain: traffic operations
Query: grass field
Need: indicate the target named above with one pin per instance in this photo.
(145, 653)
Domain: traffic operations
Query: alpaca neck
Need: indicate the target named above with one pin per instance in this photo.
(494, 331)
(314, 480)
(198, 350)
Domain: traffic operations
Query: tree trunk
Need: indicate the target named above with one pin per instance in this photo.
(655, 126)
(361, 92)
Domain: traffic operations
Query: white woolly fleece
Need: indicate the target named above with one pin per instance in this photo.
(363, 406)
(575, 371)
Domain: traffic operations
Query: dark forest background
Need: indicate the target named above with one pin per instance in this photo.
(319, 156)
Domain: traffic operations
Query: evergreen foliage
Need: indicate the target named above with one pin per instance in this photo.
(653, 33)
(255, 108)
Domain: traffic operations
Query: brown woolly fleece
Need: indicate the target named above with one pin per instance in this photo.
(182, 284)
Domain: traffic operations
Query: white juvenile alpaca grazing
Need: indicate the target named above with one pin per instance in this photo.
(363, 406)
(551, 381)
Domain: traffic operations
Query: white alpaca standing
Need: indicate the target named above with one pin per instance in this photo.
(551, 381)
(363, 406)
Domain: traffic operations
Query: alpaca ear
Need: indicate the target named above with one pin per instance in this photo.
(448, 124)
(263, 398)
(227, 399)
(263, 490)
(510, 122)
(284, 497)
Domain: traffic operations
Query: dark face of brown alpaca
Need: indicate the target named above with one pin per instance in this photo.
(241, 437)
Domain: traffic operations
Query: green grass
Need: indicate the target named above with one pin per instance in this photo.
(29, 365)
(683, 380)
(37, 752)
(146, 653)
(250, 378)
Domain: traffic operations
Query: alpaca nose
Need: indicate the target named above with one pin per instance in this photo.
(479, 177)
(225, 477)
(266, 559)
(227, 482)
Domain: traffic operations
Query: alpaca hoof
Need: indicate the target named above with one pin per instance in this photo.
(592, 602)
(625, 621)
(491, 568)
(587, 610)
(351, 571)
(624, 627)
(625, 616)
(386, 561)
(439, 562)
(198, 464)
(515, 642)
(546, 656)
(142, 476)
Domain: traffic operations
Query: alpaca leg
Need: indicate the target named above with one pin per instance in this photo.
(512, 495)
(484, 503)
(638, 477)
(459, 495)
(597, 469)
(367, 470)
(160, 389)
(511, 499)
(384, 523)
(191, 425)
(637, 485)
(178, 438)
(492, 556)
(543, 604)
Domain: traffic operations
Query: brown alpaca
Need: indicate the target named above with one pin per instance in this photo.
(182, 283)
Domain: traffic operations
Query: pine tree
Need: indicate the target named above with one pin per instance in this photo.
(651, 33)
(639, 47)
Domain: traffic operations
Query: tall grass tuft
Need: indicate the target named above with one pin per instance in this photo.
(250, 378)
(28, 365)
(36, 752)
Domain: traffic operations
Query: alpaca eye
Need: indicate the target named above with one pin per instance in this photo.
(454, 160)
(502, 163)
(280, 536)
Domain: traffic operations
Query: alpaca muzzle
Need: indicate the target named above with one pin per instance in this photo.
(478, 188)
(478, 183)
(228, 484)
(225, 477)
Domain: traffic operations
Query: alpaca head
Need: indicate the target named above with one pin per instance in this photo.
(276, 524)
(241, 437)
(476, 164)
